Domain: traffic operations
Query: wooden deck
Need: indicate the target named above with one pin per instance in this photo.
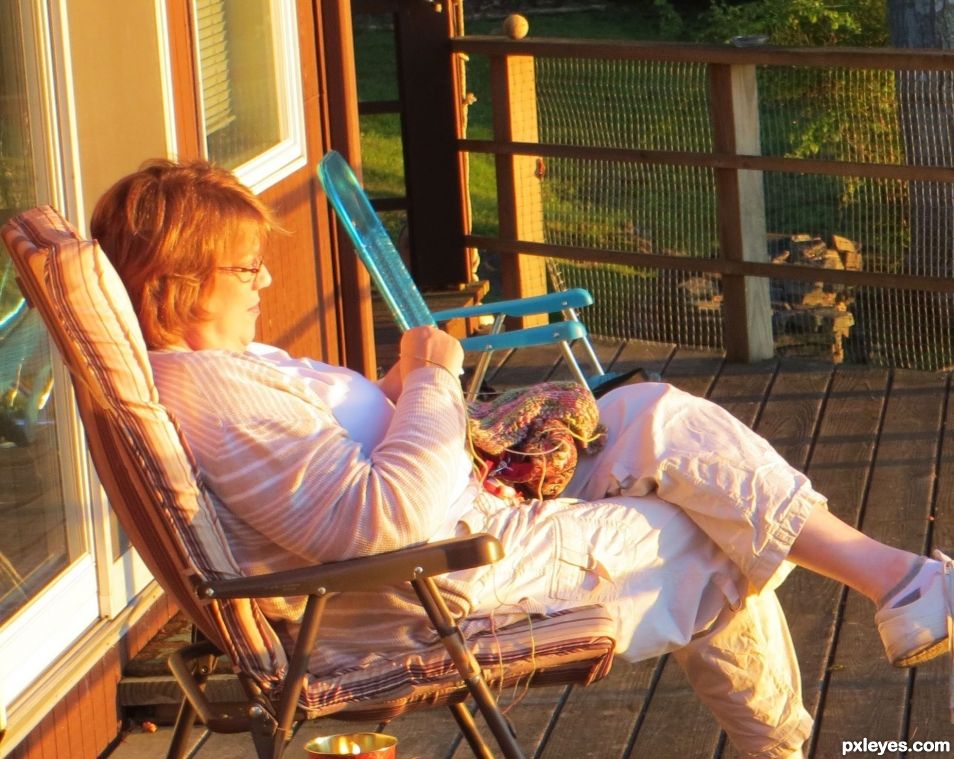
(877, 442)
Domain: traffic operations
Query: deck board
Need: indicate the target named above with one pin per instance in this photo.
(865, 696)
(930, 715)
(840, 467)
(742, 389)
(599, 720)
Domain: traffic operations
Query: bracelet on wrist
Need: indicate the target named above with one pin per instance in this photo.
(433, 363)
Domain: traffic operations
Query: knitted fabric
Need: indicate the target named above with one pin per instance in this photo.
(530, 437)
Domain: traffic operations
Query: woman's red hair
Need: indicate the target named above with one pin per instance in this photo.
(165, 228)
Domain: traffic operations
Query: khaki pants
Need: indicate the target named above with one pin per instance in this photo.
(683, 528)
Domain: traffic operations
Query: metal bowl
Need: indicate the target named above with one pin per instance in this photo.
(354, 745)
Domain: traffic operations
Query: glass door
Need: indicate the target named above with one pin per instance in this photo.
(48, 590)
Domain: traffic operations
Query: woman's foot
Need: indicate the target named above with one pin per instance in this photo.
(914, 618)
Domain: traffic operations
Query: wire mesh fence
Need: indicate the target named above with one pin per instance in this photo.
(852, 221)
(645, 208)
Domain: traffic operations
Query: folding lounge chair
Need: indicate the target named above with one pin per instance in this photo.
(397, 288)
(150, 477)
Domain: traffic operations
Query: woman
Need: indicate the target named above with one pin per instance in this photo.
(686, 520)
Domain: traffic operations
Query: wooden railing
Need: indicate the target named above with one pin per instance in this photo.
(741, 259)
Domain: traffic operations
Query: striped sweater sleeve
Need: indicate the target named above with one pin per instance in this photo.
(286, 469)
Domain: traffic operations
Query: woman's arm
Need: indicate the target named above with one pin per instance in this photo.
(287, 468)
(391, 383)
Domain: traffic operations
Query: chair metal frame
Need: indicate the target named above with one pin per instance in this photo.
(409, 309)
(271, 724)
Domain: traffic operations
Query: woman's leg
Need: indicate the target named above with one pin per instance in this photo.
(670, 588)
(739, 491)
(830, 547)
(914, 595)
(760, 510)
(745, 670)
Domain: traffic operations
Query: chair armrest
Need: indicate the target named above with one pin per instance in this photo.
(550, 303)
(545, 334)
(364, 573)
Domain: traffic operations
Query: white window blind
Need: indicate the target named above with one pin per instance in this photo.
(214, 74)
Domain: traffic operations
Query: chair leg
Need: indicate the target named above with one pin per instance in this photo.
(467, 665)
(269, 742)
(573, 364)
(570, 315)
(469, 730)
(272, 732)
(495, 719)
(179, 744)
(202, 667)
(480, 371)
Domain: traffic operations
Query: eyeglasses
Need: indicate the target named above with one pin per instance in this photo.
(245, 274)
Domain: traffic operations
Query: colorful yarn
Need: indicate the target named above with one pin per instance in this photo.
(530, 438)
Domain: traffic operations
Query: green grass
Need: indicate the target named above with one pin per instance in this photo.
(380, 135)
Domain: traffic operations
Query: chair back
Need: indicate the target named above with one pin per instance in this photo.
(372, 243)
(139, 453)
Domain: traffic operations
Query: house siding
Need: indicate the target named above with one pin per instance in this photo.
(87, 721)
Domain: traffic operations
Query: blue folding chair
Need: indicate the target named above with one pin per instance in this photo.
(394, 283)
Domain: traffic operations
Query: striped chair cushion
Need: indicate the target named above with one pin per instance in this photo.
(152, 483)
(572, 646)
(89, 315)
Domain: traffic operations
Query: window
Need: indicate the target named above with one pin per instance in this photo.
(249, 80)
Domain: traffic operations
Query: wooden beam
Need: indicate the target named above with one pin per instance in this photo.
(429, 91)
(714, 160)
(519, 197)
(340, 84)
(891, 59)
(793, 272)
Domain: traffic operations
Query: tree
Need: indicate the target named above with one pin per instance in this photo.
(819, 23)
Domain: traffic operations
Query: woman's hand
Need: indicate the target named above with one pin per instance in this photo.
(430, 346)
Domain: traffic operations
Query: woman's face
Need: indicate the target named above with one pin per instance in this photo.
(232, 301)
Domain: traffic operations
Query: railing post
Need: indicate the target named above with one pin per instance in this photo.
(519, 197)
(740, 209)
